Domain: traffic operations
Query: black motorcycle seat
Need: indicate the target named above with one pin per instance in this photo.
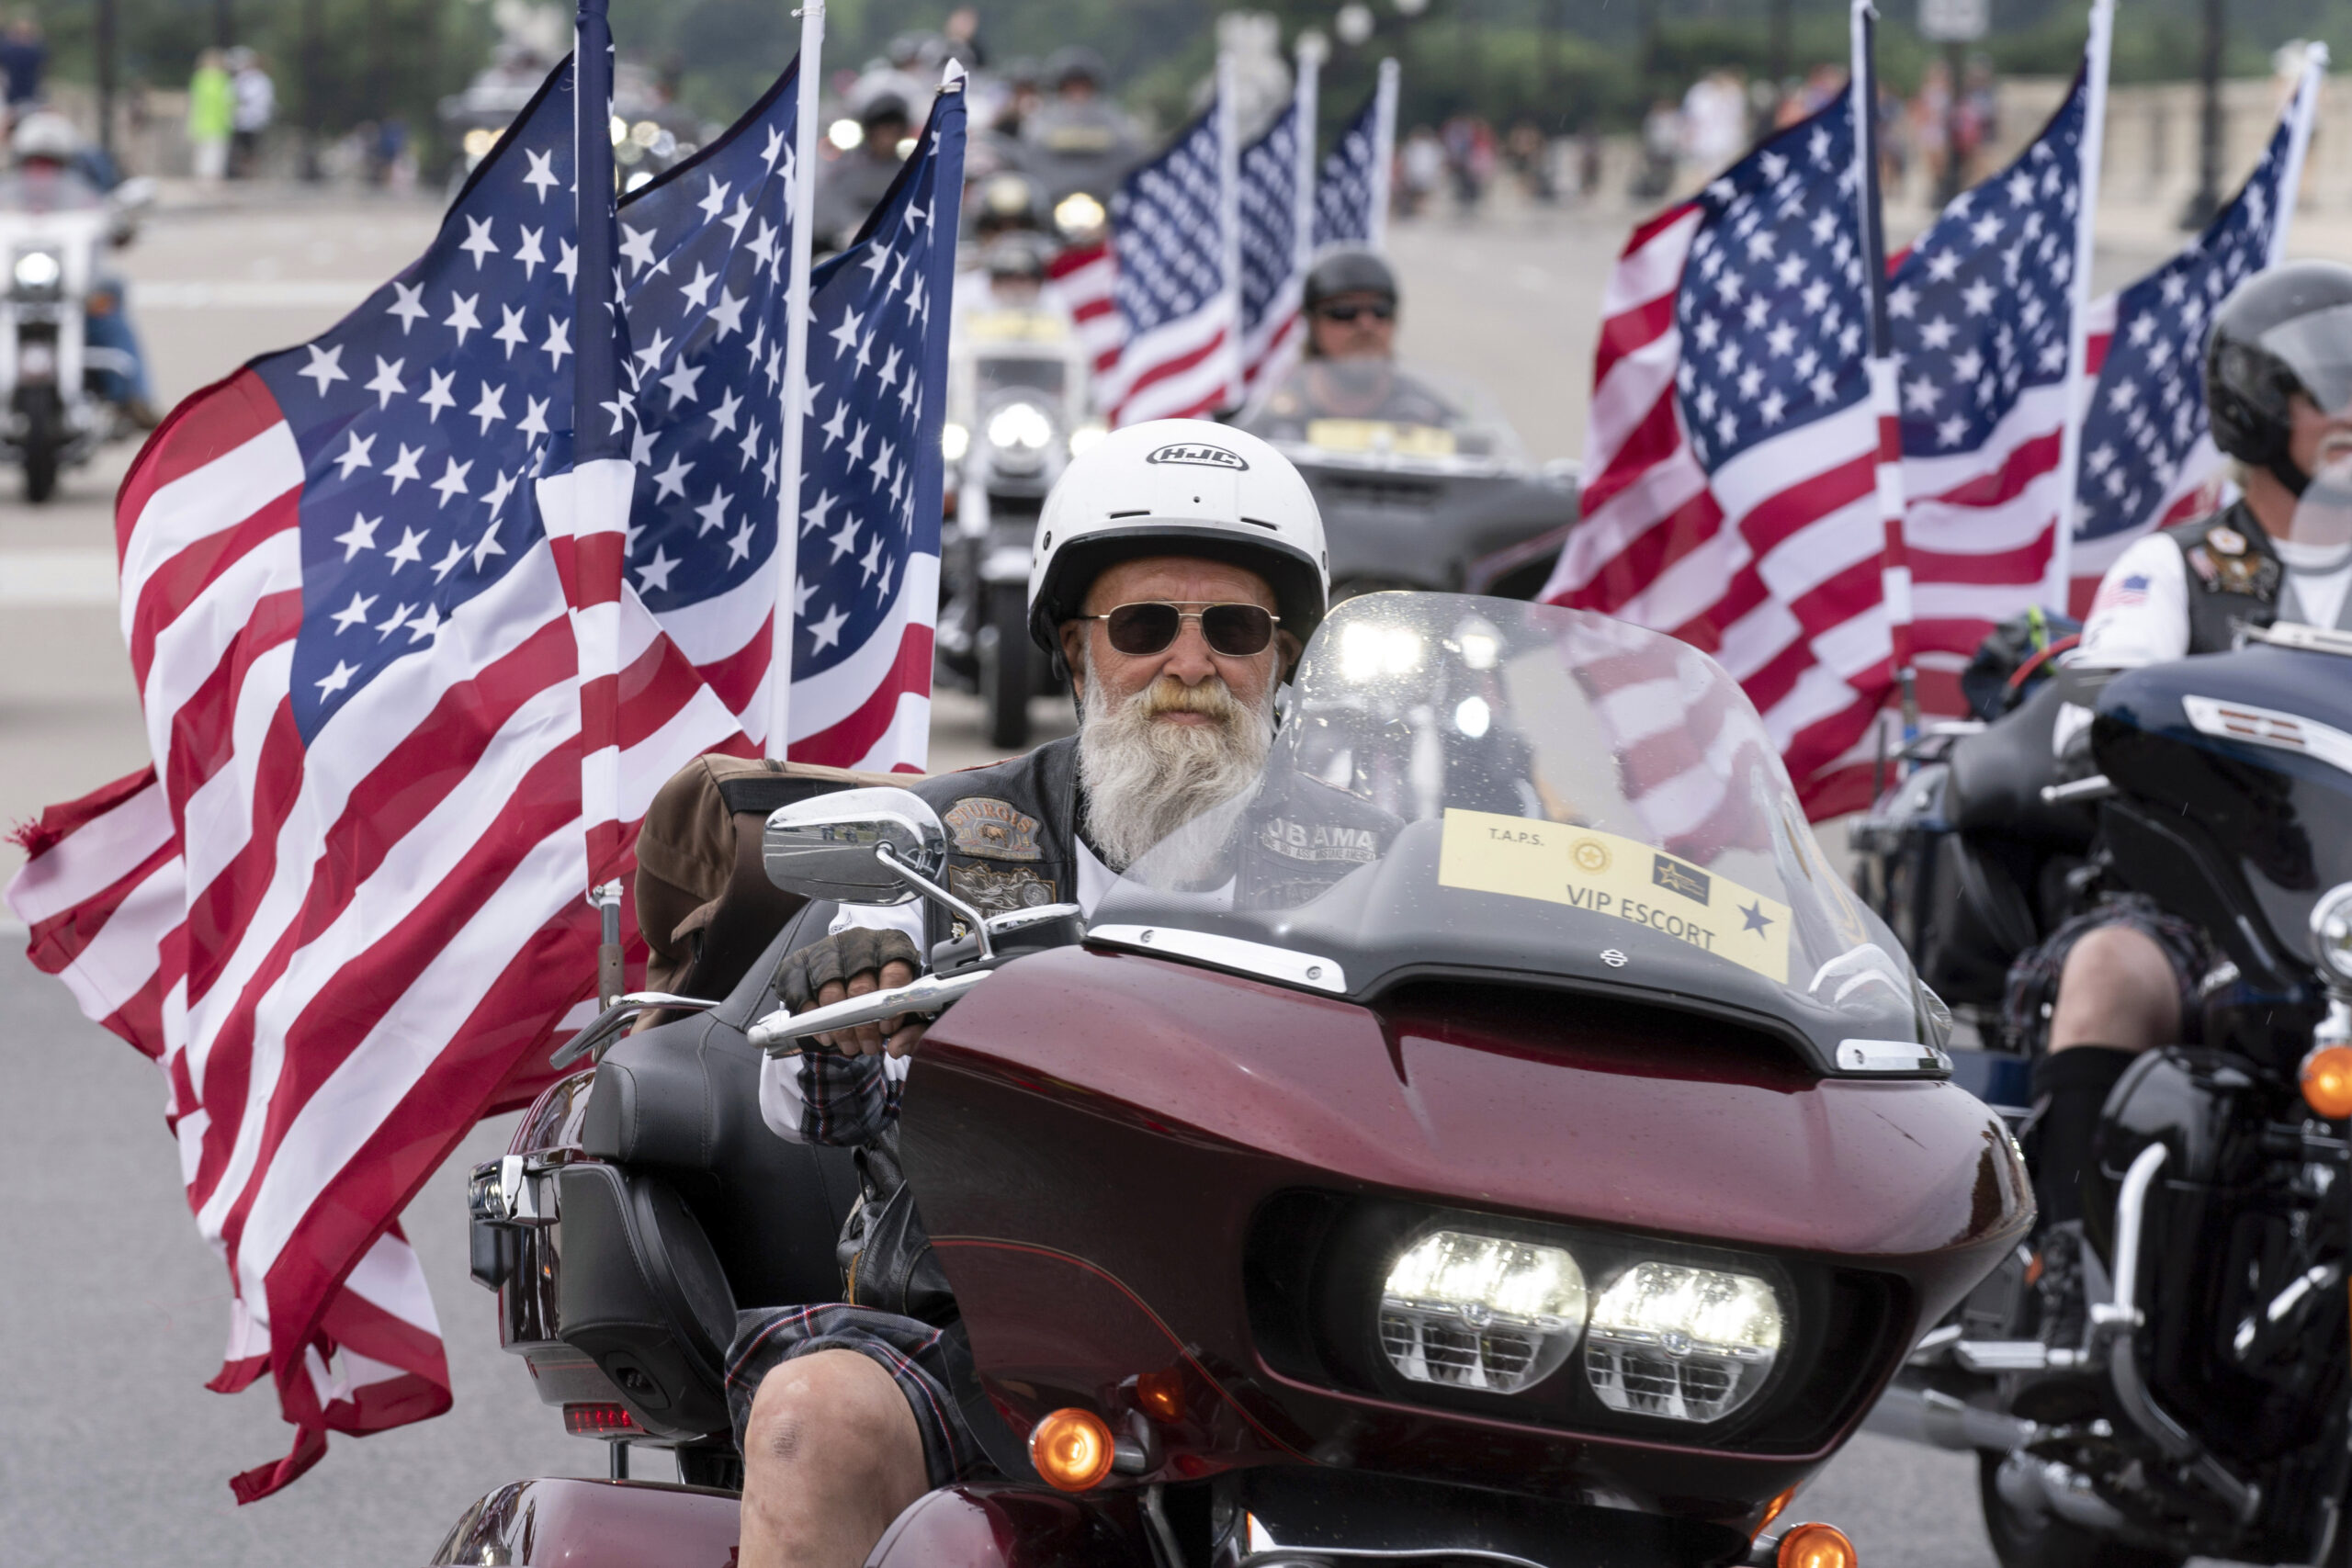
(683, 1098)
(1998, 776)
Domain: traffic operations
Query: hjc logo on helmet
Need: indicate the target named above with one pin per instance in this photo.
(1197, 455)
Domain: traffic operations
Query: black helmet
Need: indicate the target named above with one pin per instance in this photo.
(1349, 270)
(1019, 255)
(1074, 61)
(2281, 332)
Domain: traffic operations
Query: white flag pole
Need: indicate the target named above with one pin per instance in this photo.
(1228, 216)
(2304, 109)
(2058, 588)
(800, 194)
(1311, 50)
(1383, 151)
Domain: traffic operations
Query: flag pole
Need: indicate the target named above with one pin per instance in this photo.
(2304, 109)
(2059, 589)
(596, 552)
(1383, 151)
(1308, 89)
(1895, 568)
(800, 193)
(1228, 216)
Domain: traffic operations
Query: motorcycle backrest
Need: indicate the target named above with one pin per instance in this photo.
(826, 848)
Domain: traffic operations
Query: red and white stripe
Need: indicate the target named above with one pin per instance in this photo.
(1081, 278)
(339, 954)
(1186, 368)
(1771, 563)
(872, 711)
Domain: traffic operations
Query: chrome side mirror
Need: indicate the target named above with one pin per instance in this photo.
(855, 845)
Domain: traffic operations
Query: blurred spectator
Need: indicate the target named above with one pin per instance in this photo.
(1420, 168)
(24, 57)
(1979, 117)
(1715, 119)
(1931, 122)
(255, 106)
(1894, 142)
(963, 38)
(1661, 150)
(1530, 152)
(212, 116)
(1470, 158)
(1822, 85)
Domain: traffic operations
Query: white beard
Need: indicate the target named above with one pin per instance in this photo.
(1145, 779)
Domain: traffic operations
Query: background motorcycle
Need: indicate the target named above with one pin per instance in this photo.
(53, 249)
(1471, 1208)
(1439, 496)
(1017, 402)
(2216, 1346)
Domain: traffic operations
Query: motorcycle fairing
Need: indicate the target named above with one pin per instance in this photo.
(1085, 1135)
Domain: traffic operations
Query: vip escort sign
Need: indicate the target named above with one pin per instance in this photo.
(1623, 878)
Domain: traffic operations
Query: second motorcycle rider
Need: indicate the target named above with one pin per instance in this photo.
(1179, 568)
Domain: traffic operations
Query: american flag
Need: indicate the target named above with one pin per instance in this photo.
(1174, 240)
(344, 910)
(1083, 280)
(1351, 188)
(866, 588)
(1982, 310)
(1274, 171)
(2147, 458)
(1730, 495)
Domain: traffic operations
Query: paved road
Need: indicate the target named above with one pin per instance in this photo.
(110, 1450)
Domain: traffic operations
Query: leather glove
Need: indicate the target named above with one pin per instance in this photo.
(847, 964)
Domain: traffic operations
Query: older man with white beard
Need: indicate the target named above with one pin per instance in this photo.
(1179, 568)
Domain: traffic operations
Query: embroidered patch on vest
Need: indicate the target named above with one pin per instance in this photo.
(994, 892)
(1320, 841)
(992, 828)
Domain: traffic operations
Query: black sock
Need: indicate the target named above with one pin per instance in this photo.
(2074, 1083)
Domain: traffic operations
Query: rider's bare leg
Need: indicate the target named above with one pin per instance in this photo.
(830, 1456)
(2117, 996)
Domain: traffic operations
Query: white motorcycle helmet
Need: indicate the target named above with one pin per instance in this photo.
(45, 133)
(1184, 487)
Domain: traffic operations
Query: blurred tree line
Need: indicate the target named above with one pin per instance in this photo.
(1566, 63)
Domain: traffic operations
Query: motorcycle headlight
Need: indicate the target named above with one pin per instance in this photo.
(1689, 1343)
(1020, 432)
(2331, 932)
(1481, 1312)
(953, 440)
(1077, 213)
(38, 271)
(1083, 439)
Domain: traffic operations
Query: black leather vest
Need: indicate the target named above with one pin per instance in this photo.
(2234, 576)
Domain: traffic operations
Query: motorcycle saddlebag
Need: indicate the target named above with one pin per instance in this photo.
(660, 1326)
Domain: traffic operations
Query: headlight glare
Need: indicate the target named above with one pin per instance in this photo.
(2331, 929)
(38, 269)
(1020, 428)
(1687, 1344)
(1481, 1312)
(953, 440)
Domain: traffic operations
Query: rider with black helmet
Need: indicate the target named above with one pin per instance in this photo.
(2122, 978)
(1349, 301)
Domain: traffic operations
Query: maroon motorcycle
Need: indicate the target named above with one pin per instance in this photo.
(1553, 1177)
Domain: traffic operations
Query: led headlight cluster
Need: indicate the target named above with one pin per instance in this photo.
(1693, 1344)
(1663, 1340)
(1480, 1312)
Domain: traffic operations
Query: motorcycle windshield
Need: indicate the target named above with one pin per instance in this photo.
(1381, 411)
(1474, 786)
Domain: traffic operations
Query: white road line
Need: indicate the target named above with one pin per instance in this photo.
(245, 294)
(40, 578)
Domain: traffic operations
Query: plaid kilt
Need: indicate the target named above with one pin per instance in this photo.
(931, 1367)
(2032, 991)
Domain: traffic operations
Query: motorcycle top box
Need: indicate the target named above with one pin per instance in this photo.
(1498, 1135)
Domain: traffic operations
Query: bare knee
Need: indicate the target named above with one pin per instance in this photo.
(835, 1407)
(2118, 989)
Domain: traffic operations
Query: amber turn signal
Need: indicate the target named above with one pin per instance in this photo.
(1072, 1449)
(1161, 1394)
(2327, 1081)
(1773, 1510)
(1817, 1546)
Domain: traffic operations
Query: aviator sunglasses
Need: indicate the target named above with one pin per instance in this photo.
(1139, 630)
(1346, 314)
